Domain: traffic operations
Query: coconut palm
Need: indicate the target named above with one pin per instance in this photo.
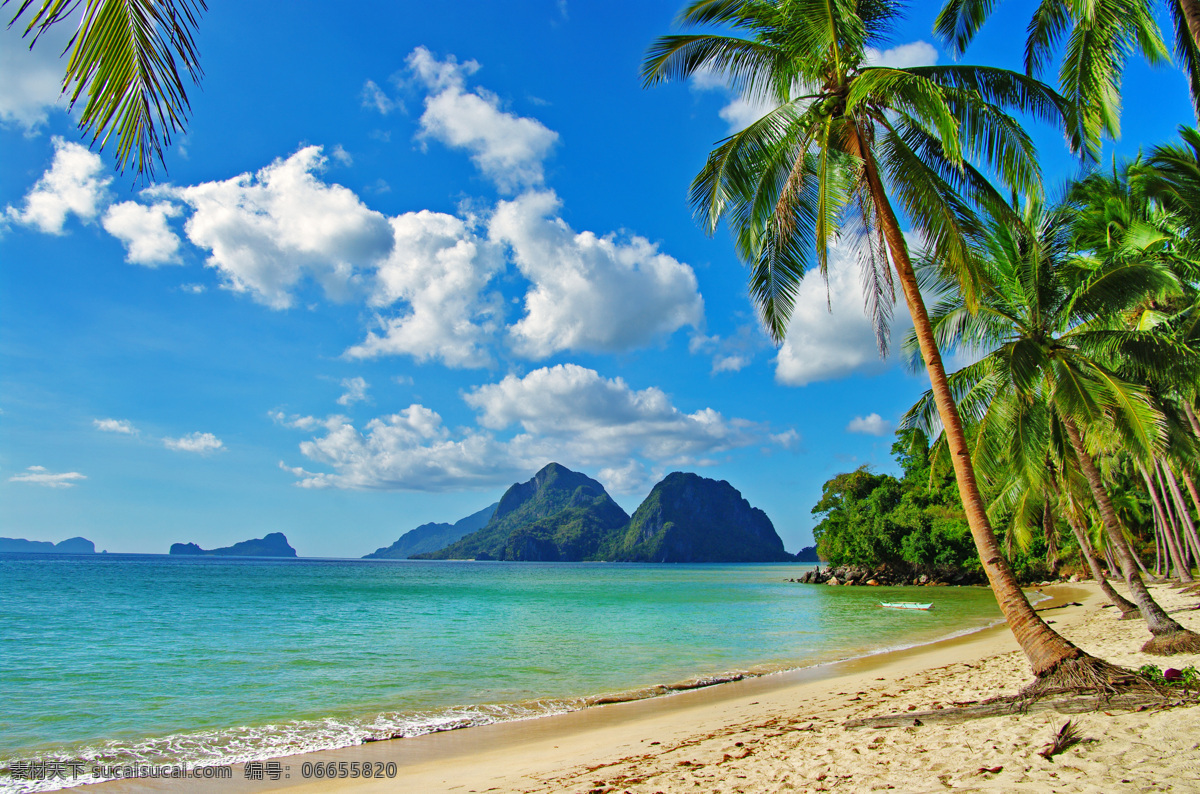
(1045, 324)
(845, 141)
(126, 56)
(1100, 35)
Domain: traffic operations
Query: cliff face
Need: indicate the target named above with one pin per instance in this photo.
(273, 545)
(689, 518)
(433, 537)
(559, 515)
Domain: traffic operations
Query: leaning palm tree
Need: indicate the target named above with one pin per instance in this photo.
(1046, 326)
(124, 55)
(845, 141)
(1100, 35)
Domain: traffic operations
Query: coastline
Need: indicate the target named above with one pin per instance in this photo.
(794, 720)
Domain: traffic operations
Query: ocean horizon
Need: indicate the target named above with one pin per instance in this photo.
(158, 659)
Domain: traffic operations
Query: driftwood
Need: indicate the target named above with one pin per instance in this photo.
(1078, 704)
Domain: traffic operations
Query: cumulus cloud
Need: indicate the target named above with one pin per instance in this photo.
(267, 231)
(507, 148)
(38, 475)
(629, 478)
(565, 413)
(356, 391)
(115, 426)
(590, 293)
(32, 83)
(904, 56)
(74, 183)
(437, 273)
(195, 442)
(869, 425)
(148, 238)
(829, 335)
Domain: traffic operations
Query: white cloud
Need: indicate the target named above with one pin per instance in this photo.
(32, 83)
(377, 99)
(340, 154)
(829, 335)
(438, 269)
(869, 425)
(356, 391)
(904, 56)
(38, 475)
(195, 442)
(597, 294)
(267, 231)
(507, 148)
(74, 183)
(294, 421)
(573, 410)
(405, 451)
(115, 426)
(732, 353)
(147, 236)
(629, 478)
(564, 413)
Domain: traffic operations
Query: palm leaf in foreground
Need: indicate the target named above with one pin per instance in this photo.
(126, 56)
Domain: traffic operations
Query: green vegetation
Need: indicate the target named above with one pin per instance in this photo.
(871, 520)
(688, 518)
(562, 515)
(1083, 316)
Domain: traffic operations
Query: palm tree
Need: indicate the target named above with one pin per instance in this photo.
(124, 55)
(1100, 36)
(845, 138)
(1045, 323)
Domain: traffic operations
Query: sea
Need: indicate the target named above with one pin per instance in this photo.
(150, 659)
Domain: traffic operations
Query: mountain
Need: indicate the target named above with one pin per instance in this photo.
(273, 545)
(433, 537)
(559, 515)
(689, 518)
(68, 546)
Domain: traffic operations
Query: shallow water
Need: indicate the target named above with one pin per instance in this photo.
(157, 659)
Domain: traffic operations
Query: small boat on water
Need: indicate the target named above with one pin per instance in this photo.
(906, 605)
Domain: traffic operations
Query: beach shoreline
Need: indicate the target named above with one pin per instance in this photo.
(785, 731)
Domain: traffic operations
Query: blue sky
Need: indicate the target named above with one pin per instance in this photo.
(403, 259)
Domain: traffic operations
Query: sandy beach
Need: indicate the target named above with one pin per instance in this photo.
(787, 733)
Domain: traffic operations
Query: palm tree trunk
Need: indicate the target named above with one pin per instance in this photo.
(1169, 540)
(1051, 533)
(1168, 636)
(1191, 486)
(1055, 661)
(1189, 528)
(1191, 415)
(1128, 609)
(1191, 12)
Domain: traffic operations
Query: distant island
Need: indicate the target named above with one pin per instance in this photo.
(564, 516)
(433, 536)
(272, 545)
(68, 546)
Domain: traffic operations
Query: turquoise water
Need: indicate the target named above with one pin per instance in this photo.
(157, 659)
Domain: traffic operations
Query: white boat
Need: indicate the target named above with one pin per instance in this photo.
(906, 605)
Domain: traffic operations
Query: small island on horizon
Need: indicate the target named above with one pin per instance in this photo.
(274, 544)
(74, 545)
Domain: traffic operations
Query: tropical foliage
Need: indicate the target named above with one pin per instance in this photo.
(129, 58)
(915, 521)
